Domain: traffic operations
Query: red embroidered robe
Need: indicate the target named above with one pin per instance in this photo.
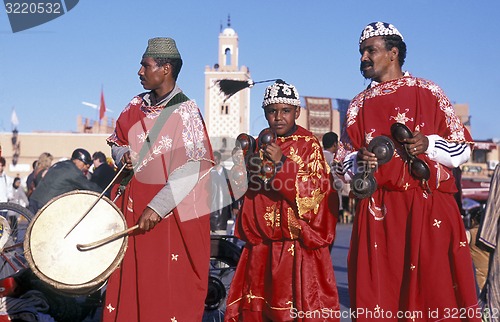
(285, 270)
(409, 250)
(164, 274)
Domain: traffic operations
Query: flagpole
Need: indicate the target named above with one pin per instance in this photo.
(102, 106)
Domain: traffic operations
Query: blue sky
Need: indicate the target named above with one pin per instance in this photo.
(46, 72)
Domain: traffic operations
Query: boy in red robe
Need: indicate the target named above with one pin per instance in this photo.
(285, 272)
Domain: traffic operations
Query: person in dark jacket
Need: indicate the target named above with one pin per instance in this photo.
(103, 173)
(62, 177)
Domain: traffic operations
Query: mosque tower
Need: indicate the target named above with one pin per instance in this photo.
(225, 119)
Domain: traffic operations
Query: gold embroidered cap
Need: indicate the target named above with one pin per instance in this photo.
(162, 48)
(379, 29)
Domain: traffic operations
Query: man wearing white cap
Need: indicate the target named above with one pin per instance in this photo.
(409, 256)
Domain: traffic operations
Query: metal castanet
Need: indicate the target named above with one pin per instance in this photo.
(246, 143)
(364, 184)
(419, 169)
(266, 137)
(383, 148)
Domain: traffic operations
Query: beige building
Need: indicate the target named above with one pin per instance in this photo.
(485, 154)
(90, 135)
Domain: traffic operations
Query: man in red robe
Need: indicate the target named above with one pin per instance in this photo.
(409, 259)
(285, 272)
(162, 140)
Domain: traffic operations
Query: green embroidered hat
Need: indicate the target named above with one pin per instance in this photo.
(162, 48)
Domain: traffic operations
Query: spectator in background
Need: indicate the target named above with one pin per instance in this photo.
(44, 162)
(330, 142)
(5, 182)
(330, 146)
(221, 205)
(103, 173)
(31, 176)
(62, 177)
(17, 194)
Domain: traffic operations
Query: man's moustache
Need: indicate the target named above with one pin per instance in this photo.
(364, 65)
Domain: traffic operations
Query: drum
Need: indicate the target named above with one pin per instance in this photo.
(5, 232)
(54, 257)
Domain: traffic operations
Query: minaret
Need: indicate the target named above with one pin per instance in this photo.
(226, 119)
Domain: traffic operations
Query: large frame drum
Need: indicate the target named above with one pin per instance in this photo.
(54, 257)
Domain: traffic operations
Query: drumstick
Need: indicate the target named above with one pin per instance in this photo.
(97, 200)
(99, 243)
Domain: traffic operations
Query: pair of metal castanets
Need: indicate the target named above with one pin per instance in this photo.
(363, 184)
(255, 160)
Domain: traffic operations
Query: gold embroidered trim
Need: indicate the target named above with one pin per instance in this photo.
(249, 297)
(306, 204)
(272, 216)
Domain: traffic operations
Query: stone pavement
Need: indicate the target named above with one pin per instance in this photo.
(339, 260)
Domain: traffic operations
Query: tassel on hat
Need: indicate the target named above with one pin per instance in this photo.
(229, 87)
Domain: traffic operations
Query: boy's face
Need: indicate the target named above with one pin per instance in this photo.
(281, 117)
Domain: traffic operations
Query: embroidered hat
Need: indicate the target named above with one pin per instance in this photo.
(281, 93)
(162, 48)
(379, 29)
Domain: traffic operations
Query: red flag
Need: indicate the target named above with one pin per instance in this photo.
(102, 107)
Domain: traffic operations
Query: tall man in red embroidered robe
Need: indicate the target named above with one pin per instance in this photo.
(409, 250)
(162, 139)
(285, 271)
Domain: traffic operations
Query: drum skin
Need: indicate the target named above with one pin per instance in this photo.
(55, 258)
(5, 232)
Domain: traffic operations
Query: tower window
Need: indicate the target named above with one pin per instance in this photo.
(224, 109)
(227, 53)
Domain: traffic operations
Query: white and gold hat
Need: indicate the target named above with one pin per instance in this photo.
(281, 93)
(379, 29)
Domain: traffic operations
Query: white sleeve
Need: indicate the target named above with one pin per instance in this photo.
(179, 185)
(450, 154)
(348, 168)
(117, 153)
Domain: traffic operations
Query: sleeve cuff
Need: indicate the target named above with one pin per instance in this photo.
(431, 151)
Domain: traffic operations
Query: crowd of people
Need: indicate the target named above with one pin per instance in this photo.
(408, 250)
(50, 179)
